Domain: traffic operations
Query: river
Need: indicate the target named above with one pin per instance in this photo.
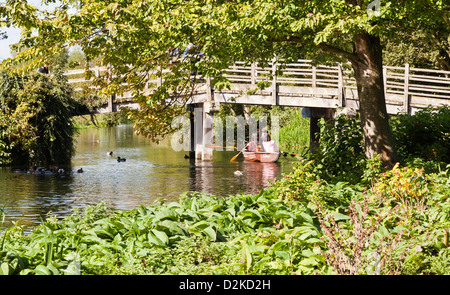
(151, 172)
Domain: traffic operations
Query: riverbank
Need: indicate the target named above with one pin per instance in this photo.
(100, 120)
(301, 225)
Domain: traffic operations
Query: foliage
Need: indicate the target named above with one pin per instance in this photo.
(422, 46)
(422, 140)
(323, 228)
(340, 154)
(406, 186)
(99, 120)
(276, 231)
(249, 229)
(133, 38)
(35, 118)
(424, 135)
(348, 241)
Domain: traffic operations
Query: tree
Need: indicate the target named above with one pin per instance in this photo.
(35, 120)
(133, 36)
(420, 48)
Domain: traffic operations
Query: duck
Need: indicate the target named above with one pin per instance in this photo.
(238, 173)
(119, 159)
(109, 153)
(186, 156)
(80, 170)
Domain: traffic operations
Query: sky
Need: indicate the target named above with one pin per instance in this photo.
(14, 34)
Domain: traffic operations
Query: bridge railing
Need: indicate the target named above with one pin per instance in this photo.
(301, 73)
(405, 87)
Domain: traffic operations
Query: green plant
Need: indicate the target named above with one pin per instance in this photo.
(352, 248)
(425, 135)
(340, 155)
(330, 227)
(35, 120)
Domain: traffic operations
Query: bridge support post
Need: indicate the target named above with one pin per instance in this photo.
(314, 129)
(201, 133)
(110, 107)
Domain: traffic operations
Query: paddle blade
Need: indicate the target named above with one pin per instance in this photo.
(234, 158)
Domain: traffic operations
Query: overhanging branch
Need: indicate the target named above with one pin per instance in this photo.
(338, 51)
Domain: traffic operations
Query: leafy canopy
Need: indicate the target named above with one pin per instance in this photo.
(133, 36)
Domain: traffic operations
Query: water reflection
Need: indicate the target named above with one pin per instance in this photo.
(151, 171)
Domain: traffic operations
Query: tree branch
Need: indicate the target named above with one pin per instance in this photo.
(338, 51)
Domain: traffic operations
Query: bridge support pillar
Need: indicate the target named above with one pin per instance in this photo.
(110, 107)
(201, 133)
(314, 129)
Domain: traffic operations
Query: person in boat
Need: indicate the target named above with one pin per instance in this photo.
(268, 144)
(263, 143)
(254, 142)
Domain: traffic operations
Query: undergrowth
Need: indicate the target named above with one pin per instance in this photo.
(314, 220)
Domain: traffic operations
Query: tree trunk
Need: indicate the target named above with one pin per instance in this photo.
(368, 68)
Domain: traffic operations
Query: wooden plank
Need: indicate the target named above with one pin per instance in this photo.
(406, 89)
(430, 71)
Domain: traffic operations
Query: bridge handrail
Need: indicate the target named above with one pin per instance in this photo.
(401, 81)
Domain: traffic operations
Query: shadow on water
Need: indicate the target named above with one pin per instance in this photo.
(151, 172)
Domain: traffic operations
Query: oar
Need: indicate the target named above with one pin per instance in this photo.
(234, 158)
(220, 146)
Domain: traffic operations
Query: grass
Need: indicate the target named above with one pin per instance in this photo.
(294, 135)
(99, 120)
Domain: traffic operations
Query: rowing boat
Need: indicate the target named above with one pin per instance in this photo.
(263, 157)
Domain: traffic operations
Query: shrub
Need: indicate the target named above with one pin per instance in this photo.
(406, 186)
(340, 155)
(35, 120)
(426, 134)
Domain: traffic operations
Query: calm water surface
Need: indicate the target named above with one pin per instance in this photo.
(151, 171)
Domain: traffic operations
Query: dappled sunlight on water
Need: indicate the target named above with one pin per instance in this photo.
(151, 172)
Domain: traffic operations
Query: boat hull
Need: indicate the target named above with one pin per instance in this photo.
(261, 157)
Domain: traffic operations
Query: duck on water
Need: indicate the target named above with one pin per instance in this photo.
(51, 170)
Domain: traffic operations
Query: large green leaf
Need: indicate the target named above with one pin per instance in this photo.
(6, 269)
(158, 238)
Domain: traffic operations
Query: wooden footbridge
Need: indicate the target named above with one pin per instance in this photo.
(319, 88)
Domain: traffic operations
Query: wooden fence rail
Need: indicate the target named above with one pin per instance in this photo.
(304, 84)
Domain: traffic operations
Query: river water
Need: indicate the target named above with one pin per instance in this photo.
(151, 172)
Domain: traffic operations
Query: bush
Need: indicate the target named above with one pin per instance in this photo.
(35, 120)
(425, 135)
(340, 155)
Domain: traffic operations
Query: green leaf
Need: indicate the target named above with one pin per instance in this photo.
(166, 214)
(283, 255)
(157, 237)
(210, 232)
(173, 227)
(5, 269)
(257, 248)
(42, 270)
(247, 256)
(74, 268)
(252, 213)
(338, 216)
(53, 269)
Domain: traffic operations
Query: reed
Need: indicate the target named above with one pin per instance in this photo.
(294, 132)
